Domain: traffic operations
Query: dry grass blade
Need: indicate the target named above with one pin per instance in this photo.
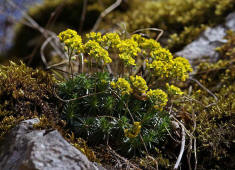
(181, 149)
(128, 163)
(151, 29)
(104, 13)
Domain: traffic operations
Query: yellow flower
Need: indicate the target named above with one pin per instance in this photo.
(161, 54)
(181, 68)
(128, 50)
(134, 131)
(173, 90)
(71, 40)
(127, 59)
(158, 97)
(103, 81)
(138, 38)
(95, 50)
(95, 36)
(113, 84)
(68, 34)
(139, 84)
(150, 45)
(111, 40)
(160, 68)
(86, 61)
(159, 61)
(123, 85)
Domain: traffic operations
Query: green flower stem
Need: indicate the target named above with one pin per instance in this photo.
(70, 63)
(132, 118)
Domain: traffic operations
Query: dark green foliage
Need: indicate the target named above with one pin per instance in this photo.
(96, 112)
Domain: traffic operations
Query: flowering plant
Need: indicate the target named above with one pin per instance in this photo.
(126, 104)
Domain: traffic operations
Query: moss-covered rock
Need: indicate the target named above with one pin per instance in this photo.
(215, 130)
(174, 17)
(25, 92)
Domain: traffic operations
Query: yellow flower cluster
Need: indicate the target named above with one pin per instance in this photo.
(95, 36)
(123, 85)
(111, 40)
(134, 131)
(71, 40)
(161, 54)
(158, 97)
(181, 68)
(139, 84)
(177, 68)
(160, 68)
(95, 50)
(149, 45)
(158, 60)
(173, 90)
(138, 38)
(161, 61)
(128, 51)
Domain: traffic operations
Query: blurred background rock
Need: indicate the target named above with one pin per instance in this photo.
(182, 22)
(19, 41)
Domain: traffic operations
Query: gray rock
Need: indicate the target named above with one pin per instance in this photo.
(206, 43)
(25, 148)
(230, 21)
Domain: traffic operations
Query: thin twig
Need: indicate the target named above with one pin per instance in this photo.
(192, 140)
(83, 16)
(195, 153)
(154, 160)
(57, 64)
(189, 153)
(186, 131)
(104, 13)
(60, 70)
(82, 56)
(207, 90)
(33, 24)
(192, 99)
(69, 100)
(151, 29)
(181, 149)
(109, 69)
(122, 158)
(42, 50)
(171, 135)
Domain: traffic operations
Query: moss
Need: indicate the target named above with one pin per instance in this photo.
(178, 40)
(7, 123)
(174, 17)
(215, 129)
(24, 93)
(227, 51)
(222, 71)
(81, 145)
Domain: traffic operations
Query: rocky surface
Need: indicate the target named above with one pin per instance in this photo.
(25, 148)
(206, 43)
